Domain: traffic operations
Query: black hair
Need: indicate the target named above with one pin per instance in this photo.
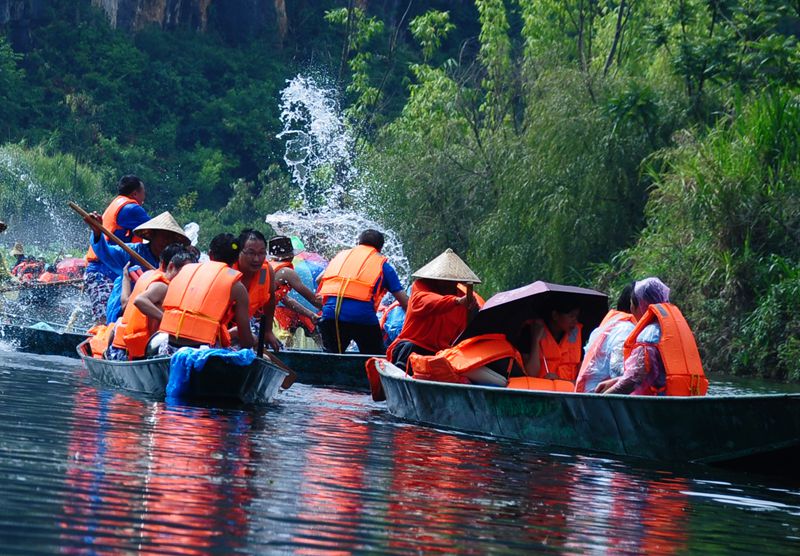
(373, 238)
(250, 233)
(194, 252)
(563, 305)
(170, 251)
(128, 184)
(224, 248)
(624, 300)
(182, 258)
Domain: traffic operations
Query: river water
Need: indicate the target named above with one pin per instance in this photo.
(87, 470)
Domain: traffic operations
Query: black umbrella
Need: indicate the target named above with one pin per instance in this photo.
(507, 312)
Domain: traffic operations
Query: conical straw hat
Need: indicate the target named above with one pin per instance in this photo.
(448, 266)
(163, 222)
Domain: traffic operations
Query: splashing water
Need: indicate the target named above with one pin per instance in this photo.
(54, 227)
(320, 155)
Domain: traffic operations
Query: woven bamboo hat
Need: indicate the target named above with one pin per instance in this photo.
(17, 250)
(164, 222)
(448, 266)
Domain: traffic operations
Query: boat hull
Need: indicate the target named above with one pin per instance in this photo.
(256, 383)
(699, 429)
(312, 367)
(341, 370)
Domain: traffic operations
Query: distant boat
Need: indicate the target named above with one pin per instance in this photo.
(317, 368)
(755, 431)
(256, 383)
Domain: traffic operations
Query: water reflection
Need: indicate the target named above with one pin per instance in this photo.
(86, 470)
(155, 477)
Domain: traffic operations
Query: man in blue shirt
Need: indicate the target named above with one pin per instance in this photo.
(159, 232)
(351, 289)
(122, 215)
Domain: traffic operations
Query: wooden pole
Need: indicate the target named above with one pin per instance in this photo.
(470, 295)
(100, 228)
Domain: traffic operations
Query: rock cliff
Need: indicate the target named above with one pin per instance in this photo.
(17, 16)
(231, 17)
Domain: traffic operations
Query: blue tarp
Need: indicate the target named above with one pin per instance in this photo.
(188, 360)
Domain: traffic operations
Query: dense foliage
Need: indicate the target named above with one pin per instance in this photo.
(580, 142)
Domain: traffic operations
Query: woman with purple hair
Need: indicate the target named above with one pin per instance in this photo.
(644, 370)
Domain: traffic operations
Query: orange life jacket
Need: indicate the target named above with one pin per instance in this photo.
(611, 318)
(546, 384)
(449, 365)
(678, 350)
(47, 277)
(198, 305)
(258, 289)
(354, 273)
(281, 289)
(110, 221)
(99, 337)
(134, 327)
(561, 358)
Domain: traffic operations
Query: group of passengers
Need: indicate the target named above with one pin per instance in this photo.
(643, 347)
(183, 301)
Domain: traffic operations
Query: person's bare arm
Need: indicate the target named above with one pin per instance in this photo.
(127, 286)
(532, 364)
(289, 276)
(299, 308)
(402, 297)
(241, 315)
(151, 300)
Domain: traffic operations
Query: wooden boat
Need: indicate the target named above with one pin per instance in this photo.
(42, 341)
(312, 367)
(755, 431)
(254, 383)
(341, 370)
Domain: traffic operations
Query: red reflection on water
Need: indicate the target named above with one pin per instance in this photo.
(197, 492)
(152, 478)
(333, 482)
(437, 491)
(102, 477)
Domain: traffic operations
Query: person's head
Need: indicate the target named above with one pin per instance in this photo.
(442, 287)
(373, 238)
(160, 231)
(50, 268)
(133, 187)
(281, 248)
(645, 293)
(224, 248)
(563, 316)
(624, 299)
(168, 252)
(253, 251)
(178, 261)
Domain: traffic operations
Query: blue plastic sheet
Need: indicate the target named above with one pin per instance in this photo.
(188, 360)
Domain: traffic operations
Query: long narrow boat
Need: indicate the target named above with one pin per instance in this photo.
(42, 341)
(251, 384)
(341, 370)
(761, 431)
(312, 367)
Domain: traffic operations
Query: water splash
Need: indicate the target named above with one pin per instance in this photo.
(332, 204)
(37, 218)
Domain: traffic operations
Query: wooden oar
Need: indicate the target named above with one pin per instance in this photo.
(469, 295)
(262, 332)
(100, 228)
